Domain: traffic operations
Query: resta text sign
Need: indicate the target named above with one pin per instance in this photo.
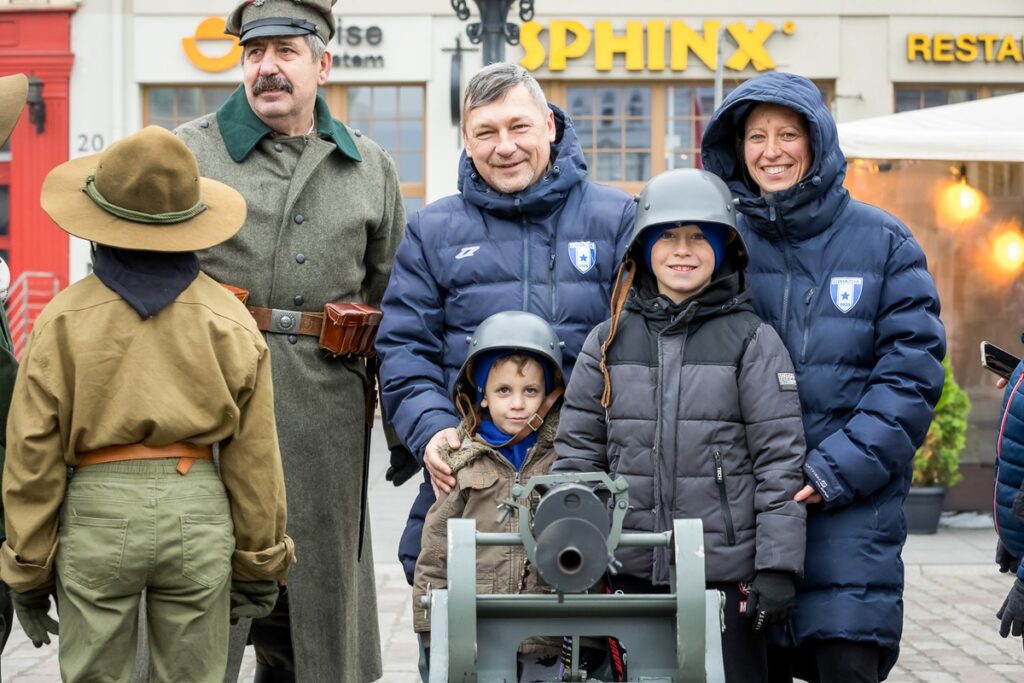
(653, 45)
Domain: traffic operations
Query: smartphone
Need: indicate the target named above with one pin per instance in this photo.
(996, 360)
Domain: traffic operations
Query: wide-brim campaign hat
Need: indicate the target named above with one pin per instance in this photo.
(13, 93)
(145, 193)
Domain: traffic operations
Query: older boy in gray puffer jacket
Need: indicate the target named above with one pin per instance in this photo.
(691, 397)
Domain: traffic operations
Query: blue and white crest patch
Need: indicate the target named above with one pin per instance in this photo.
(583, 255)
(846, 292)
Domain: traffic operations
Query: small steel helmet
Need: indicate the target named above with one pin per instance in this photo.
(685, 195)
(512, 331)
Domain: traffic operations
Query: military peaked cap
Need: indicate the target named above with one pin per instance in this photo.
(258, 18)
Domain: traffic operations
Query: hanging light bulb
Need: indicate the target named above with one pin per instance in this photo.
(959, 202)
(1008, 247)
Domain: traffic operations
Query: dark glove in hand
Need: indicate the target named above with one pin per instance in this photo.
(252, 599)
(403, 466)
(33, 609)
(1008, 564)
(771, 597)
(1011, 614)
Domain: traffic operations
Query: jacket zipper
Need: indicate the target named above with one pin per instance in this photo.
(730, 532)
(808, 299)
(784, 318)
(526, 265)
(551, 279)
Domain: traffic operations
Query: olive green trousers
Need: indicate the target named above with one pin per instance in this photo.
(137, 525)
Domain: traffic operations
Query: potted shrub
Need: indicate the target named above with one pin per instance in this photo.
(937, 461)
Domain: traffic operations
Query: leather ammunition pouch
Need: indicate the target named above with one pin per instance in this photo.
(349, 329)
(342, 329)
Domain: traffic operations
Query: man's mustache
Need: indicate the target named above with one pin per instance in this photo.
(264, 83)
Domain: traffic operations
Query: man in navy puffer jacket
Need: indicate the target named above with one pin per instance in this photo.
(847, 288)
(526, 232)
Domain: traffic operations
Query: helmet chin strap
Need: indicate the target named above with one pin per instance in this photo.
(472, 417)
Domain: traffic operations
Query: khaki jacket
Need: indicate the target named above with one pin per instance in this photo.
(94, 375)
(483, 479)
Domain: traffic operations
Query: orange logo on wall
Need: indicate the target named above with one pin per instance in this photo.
(212, 28)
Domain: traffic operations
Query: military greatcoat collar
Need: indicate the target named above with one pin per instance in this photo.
(241, 129)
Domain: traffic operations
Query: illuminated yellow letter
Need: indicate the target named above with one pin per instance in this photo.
(607, 44)
(1009, 49)
(656, 46)
(560, 50)
(751, 46)
(942, 47)
(966, 48)
(529, 35)
(989, 40)
(918, 45)
(685, 39)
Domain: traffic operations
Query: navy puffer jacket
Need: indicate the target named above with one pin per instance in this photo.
(1009, 480)
(552, 249)
(847, 288)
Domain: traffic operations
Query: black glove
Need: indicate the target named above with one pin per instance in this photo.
(252, 599)
(771, 597)
(403, 465)
(33, 609)
(1008, 564)
(1011, 614)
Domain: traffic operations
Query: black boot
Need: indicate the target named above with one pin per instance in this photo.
(267, 674)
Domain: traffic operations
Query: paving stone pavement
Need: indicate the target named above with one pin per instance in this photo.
(950, 631)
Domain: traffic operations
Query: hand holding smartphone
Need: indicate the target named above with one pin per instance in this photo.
(997, 360)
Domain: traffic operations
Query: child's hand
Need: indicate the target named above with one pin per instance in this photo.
(440, 474)
(807, 494)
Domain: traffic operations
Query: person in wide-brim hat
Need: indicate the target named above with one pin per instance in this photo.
(133, 376)
(13, 93)
(143, 193)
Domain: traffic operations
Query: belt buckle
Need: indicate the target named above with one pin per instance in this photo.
(284, 322)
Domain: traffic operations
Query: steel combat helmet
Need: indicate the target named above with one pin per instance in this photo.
(685, 195)
(513, 332)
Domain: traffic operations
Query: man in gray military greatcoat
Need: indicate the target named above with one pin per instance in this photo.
(325, 217)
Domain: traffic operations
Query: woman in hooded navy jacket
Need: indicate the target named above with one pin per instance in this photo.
(847, 288)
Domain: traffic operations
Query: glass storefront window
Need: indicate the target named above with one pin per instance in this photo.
(614, 127)
(391, 115)
(630, 133)
(172, 106)
(911, 97)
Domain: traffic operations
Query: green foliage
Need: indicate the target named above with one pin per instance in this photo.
(937, 461)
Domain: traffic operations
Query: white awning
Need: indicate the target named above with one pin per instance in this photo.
(982, 130)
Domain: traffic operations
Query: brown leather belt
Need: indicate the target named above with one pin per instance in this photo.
(187, 453)
(287, 322)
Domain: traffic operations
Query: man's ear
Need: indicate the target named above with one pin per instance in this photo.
(550, 124)
(326, 60)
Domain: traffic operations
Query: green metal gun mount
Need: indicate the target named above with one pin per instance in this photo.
(571, 540)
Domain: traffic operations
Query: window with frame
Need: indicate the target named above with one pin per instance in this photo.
(631, 132)
(393, 116)
(909, 97)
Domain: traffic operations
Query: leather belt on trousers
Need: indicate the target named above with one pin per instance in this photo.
(287, 322)
(187, 453)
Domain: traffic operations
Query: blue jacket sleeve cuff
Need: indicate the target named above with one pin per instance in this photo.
(824, 480)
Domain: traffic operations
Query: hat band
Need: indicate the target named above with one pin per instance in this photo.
(138, 216)
(293, 23)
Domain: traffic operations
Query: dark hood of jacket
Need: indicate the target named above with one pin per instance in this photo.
(808, 207)
(727, 291)
(566, 168)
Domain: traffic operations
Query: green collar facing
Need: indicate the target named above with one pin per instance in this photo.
(241, 129)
